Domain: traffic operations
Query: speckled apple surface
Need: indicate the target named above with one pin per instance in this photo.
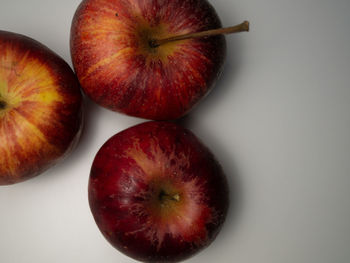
(279, 119)
(119, 69)
(157, 193)
(40, 108)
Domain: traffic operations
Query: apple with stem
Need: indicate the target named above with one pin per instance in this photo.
(40, 108)
(157, 193)
(153, 59)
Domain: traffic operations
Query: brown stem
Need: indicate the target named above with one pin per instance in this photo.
(213, 32)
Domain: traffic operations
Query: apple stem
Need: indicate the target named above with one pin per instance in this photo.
(243, 27)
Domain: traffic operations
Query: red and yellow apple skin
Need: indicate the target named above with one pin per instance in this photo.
(118, 69)
(40, 108)
(157, 193)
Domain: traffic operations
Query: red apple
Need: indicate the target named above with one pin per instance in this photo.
(157, 193)
(124, 64)
(40, 108)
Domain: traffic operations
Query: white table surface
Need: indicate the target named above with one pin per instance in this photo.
(278, 121)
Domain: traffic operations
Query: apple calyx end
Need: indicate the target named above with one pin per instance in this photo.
(164, 197)
(3, 105)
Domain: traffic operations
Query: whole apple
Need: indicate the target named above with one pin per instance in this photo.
(40, 108)
(157, 193)
(121, 67)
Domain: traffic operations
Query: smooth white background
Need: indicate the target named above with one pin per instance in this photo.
(278, 121)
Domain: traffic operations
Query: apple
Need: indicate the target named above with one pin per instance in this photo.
(153, 59)
(40, 108)
(157, 193)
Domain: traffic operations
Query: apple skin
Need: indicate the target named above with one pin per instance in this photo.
(119, 70)
(40, 108)
(157, 193)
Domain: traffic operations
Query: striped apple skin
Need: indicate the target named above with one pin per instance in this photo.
(117, 68)
(41, 117)
(128, 177)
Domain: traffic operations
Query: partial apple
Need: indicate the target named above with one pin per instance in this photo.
(157, 193)
(121, 67)
(40, 108)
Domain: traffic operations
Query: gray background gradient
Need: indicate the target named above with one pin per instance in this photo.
(278, 121)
